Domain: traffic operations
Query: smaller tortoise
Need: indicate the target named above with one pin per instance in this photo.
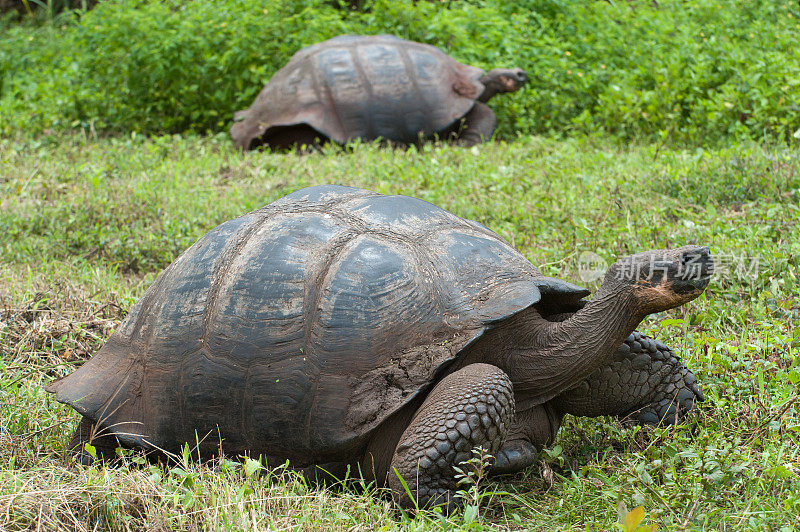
(356, 87)
(341, 329)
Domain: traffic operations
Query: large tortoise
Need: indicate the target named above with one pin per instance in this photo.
(357, 87)
(339, 327)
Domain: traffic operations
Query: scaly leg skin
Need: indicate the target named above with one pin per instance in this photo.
(87, 432)
(473, 407)
(479, 125)
(644, 381)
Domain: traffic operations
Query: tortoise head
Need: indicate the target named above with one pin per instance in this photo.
(660, 280)
(502, 80)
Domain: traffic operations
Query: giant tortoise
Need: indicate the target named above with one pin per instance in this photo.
(338, 327)
(357, 87)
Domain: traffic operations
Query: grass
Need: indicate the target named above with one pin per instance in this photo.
(86, 224)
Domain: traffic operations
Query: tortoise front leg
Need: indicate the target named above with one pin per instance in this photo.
(644, 380)
(479, 125)
(473, 407)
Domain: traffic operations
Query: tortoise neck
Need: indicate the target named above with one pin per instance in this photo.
(491, 87)
(552, 357)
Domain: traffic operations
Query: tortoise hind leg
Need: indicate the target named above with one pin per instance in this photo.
(479, 125)
(105, 445)
(471, 408)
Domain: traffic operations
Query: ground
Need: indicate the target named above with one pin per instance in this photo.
(86, 224)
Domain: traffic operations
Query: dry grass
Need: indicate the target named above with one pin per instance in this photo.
(55, 325)
(193, 497)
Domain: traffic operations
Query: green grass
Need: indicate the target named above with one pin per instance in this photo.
(86, 225)
(699, 72)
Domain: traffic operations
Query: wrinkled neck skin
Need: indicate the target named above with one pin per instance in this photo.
(544, 358)
(492, 86)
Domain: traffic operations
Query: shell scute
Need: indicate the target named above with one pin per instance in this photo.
(402, 214)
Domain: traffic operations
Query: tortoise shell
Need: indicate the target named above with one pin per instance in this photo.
(295, 330)
(353, 87)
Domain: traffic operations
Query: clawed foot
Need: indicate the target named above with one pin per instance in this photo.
(514, 456)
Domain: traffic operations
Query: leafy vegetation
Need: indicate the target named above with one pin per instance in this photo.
(87, 224)
(690, 72)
